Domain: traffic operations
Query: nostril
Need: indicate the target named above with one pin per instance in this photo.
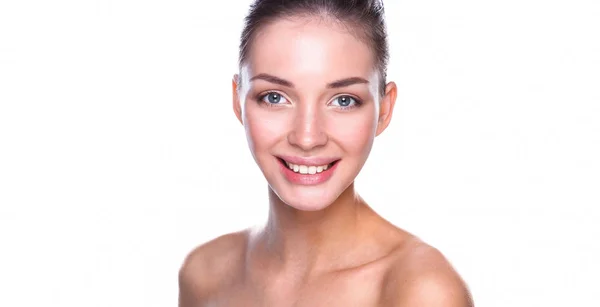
(307, 139)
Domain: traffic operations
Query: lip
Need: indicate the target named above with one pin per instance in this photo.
(314, 161)
(308, 179)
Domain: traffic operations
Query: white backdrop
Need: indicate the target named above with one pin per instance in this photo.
(119, 151)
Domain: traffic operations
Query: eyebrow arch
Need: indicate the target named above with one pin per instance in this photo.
(347, 82)
(272, 79)
(336, 84)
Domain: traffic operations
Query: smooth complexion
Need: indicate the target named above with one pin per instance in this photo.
(312, 72)
(308, 95)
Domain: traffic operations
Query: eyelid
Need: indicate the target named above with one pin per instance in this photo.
(264, 94)
(261, 96)
(358, 100)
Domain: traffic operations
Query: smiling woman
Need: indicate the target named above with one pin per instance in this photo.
(312, 96)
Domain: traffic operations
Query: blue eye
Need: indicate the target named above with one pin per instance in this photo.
(346, 101)
(273, 98)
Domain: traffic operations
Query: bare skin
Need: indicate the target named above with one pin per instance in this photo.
(322, 244)
(374, 264)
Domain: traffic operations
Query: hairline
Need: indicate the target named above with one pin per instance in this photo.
(352, 27)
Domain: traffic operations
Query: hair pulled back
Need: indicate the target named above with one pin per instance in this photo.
(365, 17)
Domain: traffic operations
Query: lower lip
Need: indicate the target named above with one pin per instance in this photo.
(307, 179)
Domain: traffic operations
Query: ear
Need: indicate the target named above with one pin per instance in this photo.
(386, 107)
(237, 107)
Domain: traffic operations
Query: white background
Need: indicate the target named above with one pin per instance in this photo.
(119, 151)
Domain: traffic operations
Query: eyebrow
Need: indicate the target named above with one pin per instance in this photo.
(336, 84)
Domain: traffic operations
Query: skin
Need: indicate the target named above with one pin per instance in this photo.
(322, 244)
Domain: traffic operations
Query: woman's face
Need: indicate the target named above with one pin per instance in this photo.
(308, 99)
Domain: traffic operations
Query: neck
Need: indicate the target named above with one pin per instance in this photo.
(313, 240)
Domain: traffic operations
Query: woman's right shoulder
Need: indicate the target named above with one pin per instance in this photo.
(210, 265)
(227, 245)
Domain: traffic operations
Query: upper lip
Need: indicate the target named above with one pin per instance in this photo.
(311, 161)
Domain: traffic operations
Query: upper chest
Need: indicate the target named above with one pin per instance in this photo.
(361, 287)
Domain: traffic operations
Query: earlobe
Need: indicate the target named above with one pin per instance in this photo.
(386, 107)
(237, 107)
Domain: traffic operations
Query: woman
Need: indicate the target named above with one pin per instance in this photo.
(311, 95)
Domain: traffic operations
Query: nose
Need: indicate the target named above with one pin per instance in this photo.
(307, 131)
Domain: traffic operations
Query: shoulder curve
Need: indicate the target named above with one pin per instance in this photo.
(208, 265)
(215, 248)
(423, 276)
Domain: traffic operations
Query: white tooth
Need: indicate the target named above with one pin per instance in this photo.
(296, 167)
(288, 165)
(303, 169)
(312, 170)
(319, 169)
(325, 167)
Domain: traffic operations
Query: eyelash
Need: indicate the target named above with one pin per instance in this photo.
(260, 98)
(357, 102)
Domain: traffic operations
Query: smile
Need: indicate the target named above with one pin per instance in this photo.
(307, 169)
(307, 172)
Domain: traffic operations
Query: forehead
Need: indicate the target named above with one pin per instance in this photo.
(298, 48)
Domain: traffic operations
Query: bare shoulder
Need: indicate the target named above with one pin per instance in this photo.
(422, 276)
(209, 267)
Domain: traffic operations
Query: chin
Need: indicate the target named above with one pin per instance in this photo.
(306, 199)
(308, 192)
(309, 204)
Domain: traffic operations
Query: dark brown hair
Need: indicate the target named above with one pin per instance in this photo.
(365, 17)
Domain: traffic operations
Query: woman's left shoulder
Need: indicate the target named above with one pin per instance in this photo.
(420, 275)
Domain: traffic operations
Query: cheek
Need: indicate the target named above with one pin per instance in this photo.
(263, 129)
(355, 132)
